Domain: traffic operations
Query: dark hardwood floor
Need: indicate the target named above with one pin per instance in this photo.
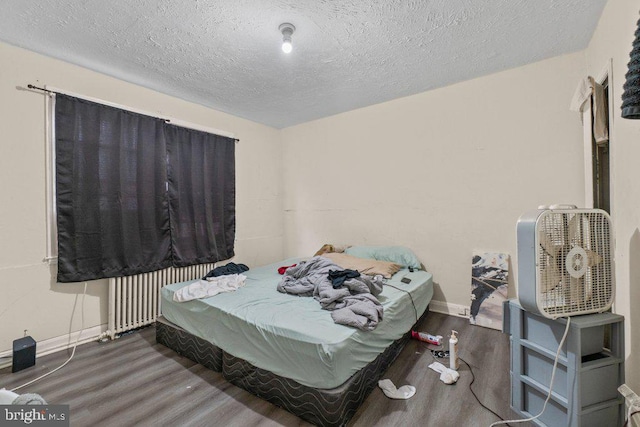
(134, 381)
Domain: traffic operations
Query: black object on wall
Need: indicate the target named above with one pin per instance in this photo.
(631, 94)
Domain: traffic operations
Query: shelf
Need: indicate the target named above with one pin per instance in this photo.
(602, 405)
(545, 390)
(606, 360)
(562, 360)
(584, 391)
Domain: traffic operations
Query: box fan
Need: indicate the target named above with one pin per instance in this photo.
(565, 265)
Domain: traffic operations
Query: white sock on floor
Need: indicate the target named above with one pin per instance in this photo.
(447, 376)
(390, 390)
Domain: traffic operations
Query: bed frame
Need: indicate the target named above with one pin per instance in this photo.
(322, 407)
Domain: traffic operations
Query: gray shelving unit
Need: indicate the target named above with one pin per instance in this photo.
(585, 389)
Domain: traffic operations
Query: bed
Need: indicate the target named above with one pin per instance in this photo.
(286, 349)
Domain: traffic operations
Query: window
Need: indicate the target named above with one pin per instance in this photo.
(122, 207)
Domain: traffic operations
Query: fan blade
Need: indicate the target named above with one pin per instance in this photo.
(575, 230)
(582, 292)
(549, 276)
(547, 245)
(577, 292)
(593, 258)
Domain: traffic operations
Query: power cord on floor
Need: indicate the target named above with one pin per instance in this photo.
(473, 378)
(553, 374)
(440, 354)
(73, 352)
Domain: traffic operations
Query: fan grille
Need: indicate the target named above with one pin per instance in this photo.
(574, 264)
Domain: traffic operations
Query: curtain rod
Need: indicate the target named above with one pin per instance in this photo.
(30, 86)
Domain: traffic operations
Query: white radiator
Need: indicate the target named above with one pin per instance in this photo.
(134, 301)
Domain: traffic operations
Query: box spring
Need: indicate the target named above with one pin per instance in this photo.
(323, 407)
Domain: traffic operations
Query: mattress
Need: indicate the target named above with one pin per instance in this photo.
(291, 336)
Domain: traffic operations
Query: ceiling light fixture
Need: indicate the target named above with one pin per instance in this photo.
(287, 30)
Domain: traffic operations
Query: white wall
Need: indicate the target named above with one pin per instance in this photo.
(612, 40)
(444, 172)
(30, 299)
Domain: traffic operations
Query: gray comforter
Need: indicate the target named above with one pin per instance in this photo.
(353, 304)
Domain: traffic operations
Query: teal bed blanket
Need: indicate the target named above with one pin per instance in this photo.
(293, 336)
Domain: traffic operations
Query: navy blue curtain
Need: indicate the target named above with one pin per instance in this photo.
(114, 213)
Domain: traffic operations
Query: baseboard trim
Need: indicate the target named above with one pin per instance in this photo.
(63, 342)
(450, 309)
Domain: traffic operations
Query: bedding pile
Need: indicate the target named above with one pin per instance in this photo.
(353, 304)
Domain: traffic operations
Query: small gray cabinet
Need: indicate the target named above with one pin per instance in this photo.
(585, 388)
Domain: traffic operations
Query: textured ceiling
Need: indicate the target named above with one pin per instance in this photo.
(347, 54)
